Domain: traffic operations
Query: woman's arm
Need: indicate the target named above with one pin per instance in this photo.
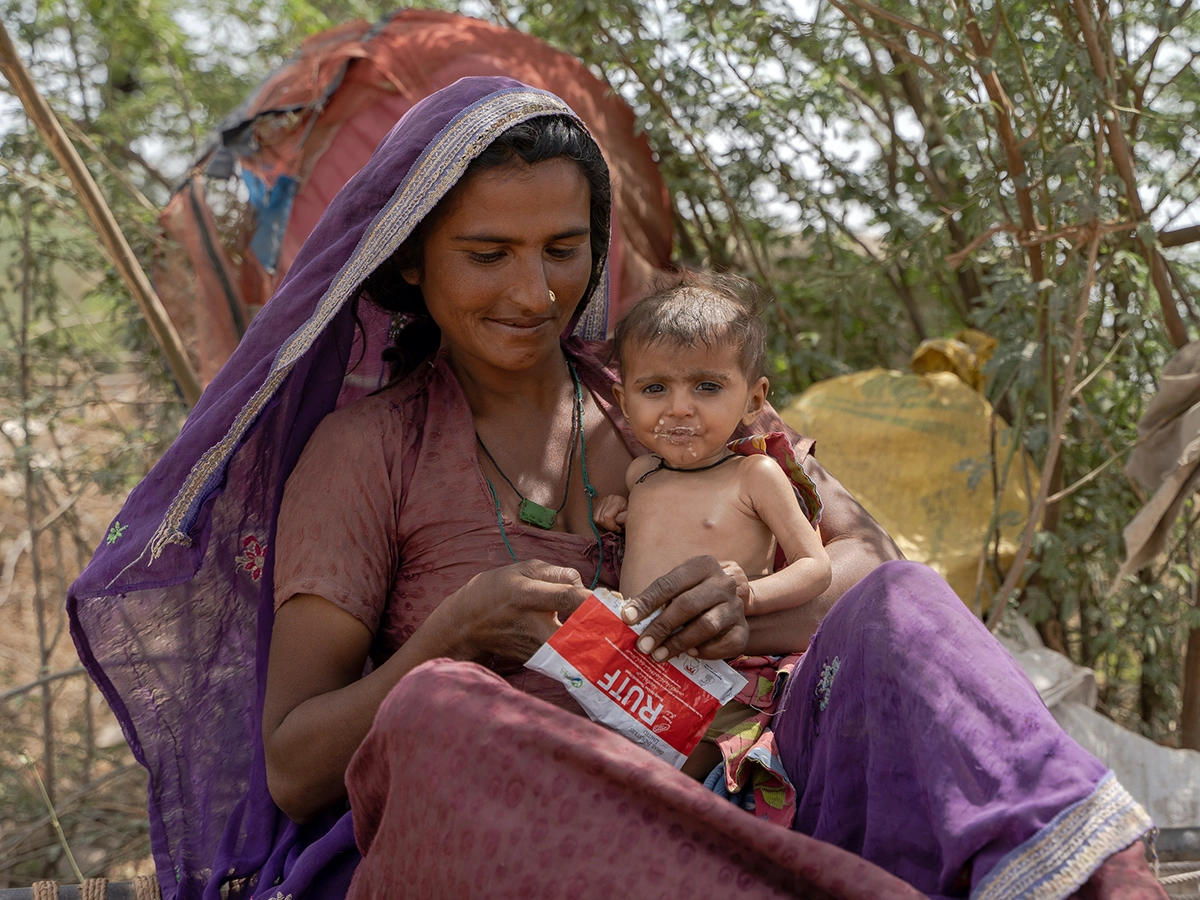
(319, 707)
(856, 544)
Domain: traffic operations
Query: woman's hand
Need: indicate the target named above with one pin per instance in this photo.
(702, 613)
(507, 612)
(734, 570)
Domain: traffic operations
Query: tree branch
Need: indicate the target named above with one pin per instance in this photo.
(1012, 147)
(119, 251)
(1015, 570)
(1180, 236)
(1122, 157)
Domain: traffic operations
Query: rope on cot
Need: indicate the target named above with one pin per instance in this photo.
(145, 887)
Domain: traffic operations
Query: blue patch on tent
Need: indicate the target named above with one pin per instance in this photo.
(273, 209)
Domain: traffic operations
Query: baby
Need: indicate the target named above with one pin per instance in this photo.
(690, 359)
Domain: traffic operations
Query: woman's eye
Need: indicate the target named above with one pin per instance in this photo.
(561, 252)
(493, 256)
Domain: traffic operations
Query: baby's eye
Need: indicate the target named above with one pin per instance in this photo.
(708, 387)
(653, 389)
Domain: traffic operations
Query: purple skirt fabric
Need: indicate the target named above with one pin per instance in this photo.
(915, 740)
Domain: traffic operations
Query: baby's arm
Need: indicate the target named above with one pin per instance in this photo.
(808, 572)
(610, 510)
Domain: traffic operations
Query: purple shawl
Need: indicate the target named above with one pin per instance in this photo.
(172, 618)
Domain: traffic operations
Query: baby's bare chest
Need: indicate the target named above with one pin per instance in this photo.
(696, 515)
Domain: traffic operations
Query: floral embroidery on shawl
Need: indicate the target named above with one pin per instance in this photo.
(252, 556)
(115, 532)
(825, 685)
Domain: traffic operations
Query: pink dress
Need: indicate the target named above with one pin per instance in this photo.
(387, 512)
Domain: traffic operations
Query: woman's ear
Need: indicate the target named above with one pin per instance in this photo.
(756, 399)
(412, 276)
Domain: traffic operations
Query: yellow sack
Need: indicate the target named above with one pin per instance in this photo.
(915, 450)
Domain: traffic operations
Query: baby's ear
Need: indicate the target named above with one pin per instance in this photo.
(618, 390)
(756, 400)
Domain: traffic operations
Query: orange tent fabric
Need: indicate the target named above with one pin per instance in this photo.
(261, 183)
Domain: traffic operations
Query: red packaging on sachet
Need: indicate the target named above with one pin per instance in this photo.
(662, 706)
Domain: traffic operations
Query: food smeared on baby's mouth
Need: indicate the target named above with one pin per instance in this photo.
(676, 434)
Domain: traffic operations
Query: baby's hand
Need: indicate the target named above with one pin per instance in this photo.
(609, 512)
(735, 571)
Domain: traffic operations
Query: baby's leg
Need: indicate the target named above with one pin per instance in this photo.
(702, 761)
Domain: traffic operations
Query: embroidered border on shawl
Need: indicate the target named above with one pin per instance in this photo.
(1060, 858)
(436, 170)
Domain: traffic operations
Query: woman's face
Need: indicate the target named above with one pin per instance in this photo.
(511, 236)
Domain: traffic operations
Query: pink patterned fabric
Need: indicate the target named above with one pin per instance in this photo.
(1124, 876)
(499, 795)
(749, 751)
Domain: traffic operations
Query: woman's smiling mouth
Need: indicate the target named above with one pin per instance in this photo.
(524, 325)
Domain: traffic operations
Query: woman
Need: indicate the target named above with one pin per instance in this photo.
(409, 533)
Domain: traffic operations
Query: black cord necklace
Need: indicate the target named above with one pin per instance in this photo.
(587, 484)
(663, 464)
(530, 511)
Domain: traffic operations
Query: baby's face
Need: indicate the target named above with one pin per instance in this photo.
(683, 403)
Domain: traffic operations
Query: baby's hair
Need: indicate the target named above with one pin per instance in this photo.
(689, 309)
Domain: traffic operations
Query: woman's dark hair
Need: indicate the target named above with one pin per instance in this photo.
(689, 308)
(536, 140)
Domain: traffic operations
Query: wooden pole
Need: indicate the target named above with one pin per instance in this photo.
(119, 251)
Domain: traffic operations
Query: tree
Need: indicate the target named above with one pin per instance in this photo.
(891, 169)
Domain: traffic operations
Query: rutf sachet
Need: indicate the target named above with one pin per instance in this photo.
(663, 706)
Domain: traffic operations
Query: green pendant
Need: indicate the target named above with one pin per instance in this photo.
(536, 514)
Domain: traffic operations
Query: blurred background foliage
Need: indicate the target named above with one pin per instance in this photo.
(891, 170)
